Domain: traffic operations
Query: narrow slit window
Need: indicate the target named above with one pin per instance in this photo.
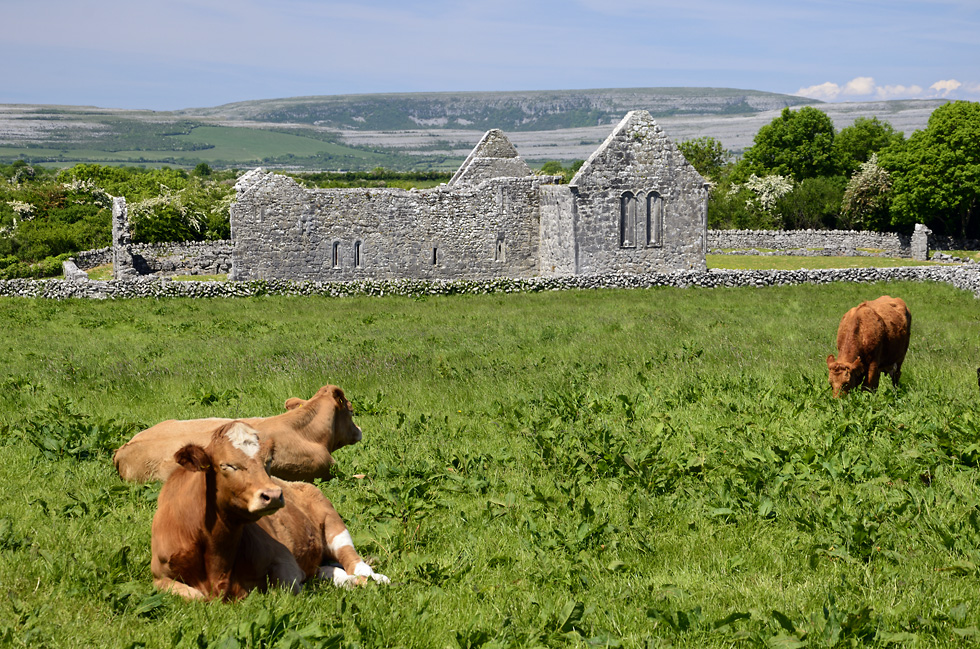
(435, 256)
(335, 258)
(627, 221)
(655, 220)
(357, 254)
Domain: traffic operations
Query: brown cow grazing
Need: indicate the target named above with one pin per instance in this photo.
(873, 337)
(305, 436)
(224, 527)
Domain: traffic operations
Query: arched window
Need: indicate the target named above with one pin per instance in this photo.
(627, 220)
(335, 258)
(655, 220)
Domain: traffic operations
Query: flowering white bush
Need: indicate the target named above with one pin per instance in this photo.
(88, 188)
(768, 190)
(866, 198)
(25, 210)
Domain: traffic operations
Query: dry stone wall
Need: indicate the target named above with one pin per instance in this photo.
(895, 245)
(964, 277)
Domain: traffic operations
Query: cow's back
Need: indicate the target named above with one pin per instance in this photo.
(897, 320)
(149, 455)
(860, 334)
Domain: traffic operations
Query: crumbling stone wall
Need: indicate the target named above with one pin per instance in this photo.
(284, 231)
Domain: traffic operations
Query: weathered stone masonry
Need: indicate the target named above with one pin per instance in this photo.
(636, 206)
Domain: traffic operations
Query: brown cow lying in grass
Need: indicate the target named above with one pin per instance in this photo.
(305, 436)
(224, 527)
(873, 337)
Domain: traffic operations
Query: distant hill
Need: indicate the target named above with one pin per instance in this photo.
(540, 110)
(401, 131)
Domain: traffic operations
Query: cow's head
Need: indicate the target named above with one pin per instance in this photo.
(844, 376)
(235, 462)
(330, 397)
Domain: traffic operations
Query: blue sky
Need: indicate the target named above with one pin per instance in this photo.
(172, 54)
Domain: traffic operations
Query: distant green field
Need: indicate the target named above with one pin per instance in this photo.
(229, 146)
(249, 144)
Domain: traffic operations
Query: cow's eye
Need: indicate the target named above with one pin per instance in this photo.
(229, 467)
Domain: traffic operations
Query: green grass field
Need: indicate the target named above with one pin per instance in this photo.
(637, 468)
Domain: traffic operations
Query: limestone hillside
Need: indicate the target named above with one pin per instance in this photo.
(511, 111)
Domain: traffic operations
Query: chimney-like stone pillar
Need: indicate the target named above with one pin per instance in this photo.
(122, 258)
(920, 242)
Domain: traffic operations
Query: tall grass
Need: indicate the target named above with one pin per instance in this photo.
(589, 468)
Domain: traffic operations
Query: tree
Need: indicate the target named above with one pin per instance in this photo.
(865, 203)
(798, 144)
(855, 144)
(814, 203)
(936, 174)
(707, 155)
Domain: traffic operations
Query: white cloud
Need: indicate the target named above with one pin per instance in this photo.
(859, 86)
(825, 91)
(946, 86)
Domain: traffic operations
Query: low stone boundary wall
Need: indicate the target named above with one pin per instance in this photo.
(185, 258)
(890, 243)
(829, 242)
(962, 277)
(89, 259)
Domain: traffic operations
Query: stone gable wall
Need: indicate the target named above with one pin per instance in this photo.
(638, 163)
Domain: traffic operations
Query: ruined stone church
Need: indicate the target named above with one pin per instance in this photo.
(635, 206)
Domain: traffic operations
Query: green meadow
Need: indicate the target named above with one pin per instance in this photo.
(643, 468)
(224, 147)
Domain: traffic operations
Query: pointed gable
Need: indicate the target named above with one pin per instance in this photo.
(493, 157)
(636, 152)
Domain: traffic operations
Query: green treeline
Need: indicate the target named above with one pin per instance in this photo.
(800, 173)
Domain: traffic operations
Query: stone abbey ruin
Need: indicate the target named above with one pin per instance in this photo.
(635, 206)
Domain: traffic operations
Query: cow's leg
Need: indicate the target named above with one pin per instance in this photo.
(284, 572)
(871, 382)
(168, 585)
(339, 547)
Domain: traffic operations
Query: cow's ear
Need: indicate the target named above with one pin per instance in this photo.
(193, 458)
(338, 395)
(267, 450)
(292, 403)
(830, 360)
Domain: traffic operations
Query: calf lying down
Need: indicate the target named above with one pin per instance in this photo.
(305, 437)
(224, 527)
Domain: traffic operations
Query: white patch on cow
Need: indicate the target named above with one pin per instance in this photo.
(244, 439)
(337, 575)
(364, 570)
(339, 541)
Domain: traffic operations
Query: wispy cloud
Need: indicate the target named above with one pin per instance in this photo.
(866, 88)
(945, 87)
